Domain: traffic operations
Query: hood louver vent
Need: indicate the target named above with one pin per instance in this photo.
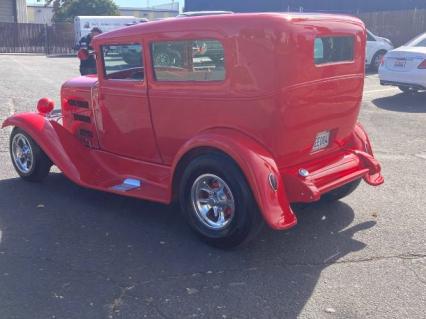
(77, 103)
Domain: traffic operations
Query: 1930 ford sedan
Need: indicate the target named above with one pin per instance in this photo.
(271, 120)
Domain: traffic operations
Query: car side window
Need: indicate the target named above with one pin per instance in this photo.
(334, 49)
(193, 60)
(123, 62)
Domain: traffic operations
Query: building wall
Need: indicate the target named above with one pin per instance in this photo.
(39, 14)
(42, 14)
(7, 11)
(13, 11)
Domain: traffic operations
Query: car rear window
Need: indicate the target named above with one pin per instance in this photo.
(193, 60)
(334, 49)
(422, 43)
(419, 41)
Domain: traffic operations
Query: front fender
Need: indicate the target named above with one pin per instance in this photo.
(256, 164)
(63, 149)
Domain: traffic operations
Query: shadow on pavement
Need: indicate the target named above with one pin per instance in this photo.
(70, 252)
(408, 103)
(368, 71)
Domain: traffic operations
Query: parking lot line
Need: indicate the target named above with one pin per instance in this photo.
(382, 90)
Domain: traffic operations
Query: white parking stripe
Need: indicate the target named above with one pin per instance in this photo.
(382, 90)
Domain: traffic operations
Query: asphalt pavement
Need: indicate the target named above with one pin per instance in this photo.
(69, 252)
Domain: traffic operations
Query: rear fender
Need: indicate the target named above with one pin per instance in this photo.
(361, 146)
(257, 164)
(63, 149)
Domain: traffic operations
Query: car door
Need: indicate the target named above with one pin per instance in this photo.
(123, 116)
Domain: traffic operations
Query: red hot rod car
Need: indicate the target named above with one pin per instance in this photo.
(270, 121)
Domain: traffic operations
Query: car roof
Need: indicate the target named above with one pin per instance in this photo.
(225, 23)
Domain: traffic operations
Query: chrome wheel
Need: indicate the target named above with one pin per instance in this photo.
(163, 59)
(212, 201)
(22, 153)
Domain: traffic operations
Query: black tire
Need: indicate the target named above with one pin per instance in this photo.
(407, 89)
(341, 192)
(246, 221)
(375, 62)
(41, 164)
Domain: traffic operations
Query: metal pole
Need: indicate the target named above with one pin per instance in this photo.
(46, 40)
(15, 12)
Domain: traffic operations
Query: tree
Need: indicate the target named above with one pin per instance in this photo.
(66, 10)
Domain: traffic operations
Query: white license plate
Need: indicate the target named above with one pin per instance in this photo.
(400, 64)
(321, 141)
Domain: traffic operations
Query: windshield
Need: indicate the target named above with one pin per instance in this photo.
(419, 41)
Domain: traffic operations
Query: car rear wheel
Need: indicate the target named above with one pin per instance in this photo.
(407, 89)
(341, 192)
(217, 202)
(377, 59)
(29, 160)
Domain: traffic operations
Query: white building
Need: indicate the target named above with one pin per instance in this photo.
(13, 11)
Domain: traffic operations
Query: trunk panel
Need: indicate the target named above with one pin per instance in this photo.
(404, 60)
(329, 105)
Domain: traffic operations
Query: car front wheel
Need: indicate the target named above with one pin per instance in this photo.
(29, 160)
(217, 202)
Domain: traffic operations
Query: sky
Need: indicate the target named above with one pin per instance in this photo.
(132, 3)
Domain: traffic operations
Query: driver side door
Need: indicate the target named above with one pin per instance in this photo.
(123, 116)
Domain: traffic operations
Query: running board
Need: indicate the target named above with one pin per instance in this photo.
(127, 185)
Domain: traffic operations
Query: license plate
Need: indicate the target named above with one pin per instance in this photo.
(321, 141)
(400, 64)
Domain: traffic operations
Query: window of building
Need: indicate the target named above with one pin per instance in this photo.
(123, 62)
(194, 60)
(334, 49)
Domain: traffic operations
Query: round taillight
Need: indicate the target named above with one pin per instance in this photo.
(83, 54)
(45, 105)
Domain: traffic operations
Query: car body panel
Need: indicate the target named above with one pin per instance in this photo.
(376, 44)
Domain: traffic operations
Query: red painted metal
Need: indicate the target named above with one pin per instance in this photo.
(265, 114)
(45, 105)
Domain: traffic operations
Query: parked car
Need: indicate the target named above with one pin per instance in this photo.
(376, 49)
(405, 67)
(234, 142)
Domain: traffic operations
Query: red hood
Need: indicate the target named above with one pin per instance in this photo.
(82, 82)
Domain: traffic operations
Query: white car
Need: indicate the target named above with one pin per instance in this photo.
(376, 49)
(405, 67)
